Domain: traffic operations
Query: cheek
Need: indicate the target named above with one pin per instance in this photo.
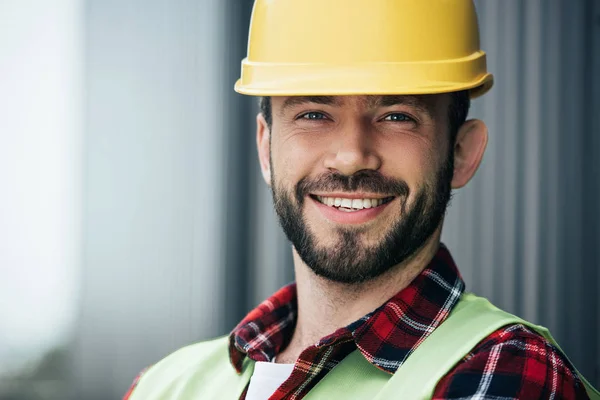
(294, 157)
(408, 158)
(292, 160)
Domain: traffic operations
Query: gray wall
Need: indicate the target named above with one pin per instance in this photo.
(41, 87)
(179, 236)
(155, 163)
(525, 231)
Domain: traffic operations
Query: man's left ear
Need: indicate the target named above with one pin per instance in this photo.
(471, 141)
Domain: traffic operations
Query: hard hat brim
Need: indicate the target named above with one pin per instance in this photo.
(263, 79)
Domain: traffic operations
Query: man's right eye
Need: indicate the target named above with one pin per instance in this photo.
(313, 116)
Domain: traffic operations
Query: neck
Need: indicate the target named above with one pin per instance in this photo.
(325, 306)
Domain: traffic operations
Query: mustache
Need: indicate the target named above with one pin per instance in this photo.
(364, 180)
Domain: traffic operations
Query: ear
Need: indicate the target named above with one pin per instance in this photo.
(471, 141)
(263, 145)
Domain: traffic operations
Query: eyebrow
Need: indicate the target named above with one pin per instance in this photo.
(392, 100)
(296, 100)
(371, 101)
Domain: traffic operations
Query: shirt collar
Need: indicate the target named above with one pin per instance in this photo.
(385, 337)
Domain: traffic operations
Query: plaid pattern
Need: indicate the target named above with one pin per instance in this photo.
(511, 363)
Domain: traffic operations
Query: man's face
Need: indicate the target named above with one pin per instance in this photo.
(359, 182)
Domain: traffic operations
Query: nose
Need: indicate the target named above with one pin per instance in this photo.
(352, 151)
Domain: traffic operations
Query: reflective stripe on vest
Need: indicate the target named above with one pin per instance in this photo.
(203, 370)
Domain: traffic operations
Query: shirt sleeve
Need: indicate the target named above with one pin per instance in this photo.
(134, 384)
(513, 362)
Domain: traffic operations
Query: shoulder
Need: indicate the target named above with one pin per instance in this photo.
(512, 362)
(179, 363)
(191, 357)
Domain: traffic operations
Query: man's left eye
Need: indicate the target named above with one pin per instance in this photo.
(313, 115)
(398, 117)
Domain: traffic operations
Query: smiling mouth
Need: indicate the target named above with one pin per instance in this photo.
(351, 205)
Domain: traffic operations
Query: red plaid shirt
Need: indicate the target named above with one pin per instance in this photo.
(511, 363)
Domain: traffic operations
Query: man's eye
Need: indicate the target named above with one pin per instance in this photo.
(313, 116)
(398, 117)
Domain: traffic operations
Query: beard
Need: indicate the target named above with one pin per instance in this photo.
(348, 260)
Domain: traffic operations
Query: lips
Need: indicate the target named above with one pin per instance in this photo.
(347, 210)
(352, 204)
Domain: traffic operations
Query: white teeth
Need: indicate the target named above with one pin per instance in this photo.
(354, 204)
(346, 203)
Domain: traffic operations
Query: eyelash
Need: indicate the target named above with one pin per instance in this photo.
(304, 116)
(322, 116)
(405, 117)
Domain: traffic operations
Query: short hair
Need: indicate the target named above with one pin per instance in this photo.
(458, 110)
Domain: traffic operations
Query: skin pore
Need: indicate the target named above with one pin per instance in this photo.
(392, 149)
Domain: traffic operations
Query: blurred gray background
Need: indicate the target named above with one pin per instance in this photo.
(133, 218)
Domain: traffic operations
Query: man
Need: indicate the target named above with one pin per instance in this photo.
(362, 135)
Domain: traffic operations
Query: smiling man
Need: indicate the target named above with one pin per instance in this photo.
(362, 136)
(370, 177)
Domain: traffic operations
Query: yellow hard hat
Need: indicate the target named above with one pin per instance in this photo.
(353, 47)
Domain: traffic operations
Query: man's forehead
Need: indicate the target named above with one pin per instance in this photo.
(424, 102)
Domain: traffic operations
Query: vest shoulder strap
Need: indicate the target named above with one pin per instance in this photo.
(201, 368)
(353, 378)
(472, 319)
